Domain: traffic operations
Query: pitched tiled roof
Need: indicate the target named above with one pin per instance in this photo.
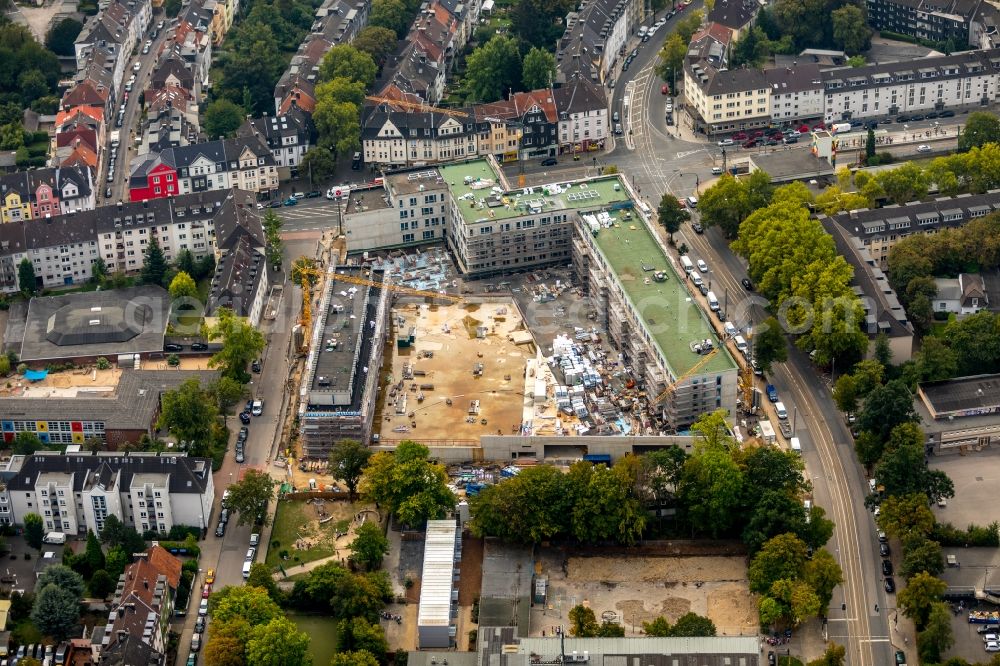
(166, 564)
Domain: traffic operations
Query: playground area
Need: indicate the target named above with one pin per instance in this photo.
(315, 529)
(454, 372)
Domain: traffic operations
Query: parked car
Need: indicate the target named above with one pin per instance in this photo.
(206, 591)
(697, 228)
(240, 456)
(313, 194)
(549, 161)
(243, 434)
(255, 366)
(275, 204)
(900, 658)
(947, 114)
(171, 347)
(210, 576)
(199, 625)
(244, 417)
(923, 148)
(886, 568)
(750, 143)
(291, 201)
(747, 284)
(220, 530)
(199, 346)
(884, 550)
(890, 585)
(664, 89)
(726, 142)
(916, 119)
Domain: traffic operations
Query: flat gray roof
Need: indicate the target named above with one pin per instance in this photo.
(964, 396)
(96, 323)
(785, 165)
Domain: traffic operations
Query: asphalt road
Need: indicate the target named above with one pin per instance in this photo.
(660, 163)
(133, 112)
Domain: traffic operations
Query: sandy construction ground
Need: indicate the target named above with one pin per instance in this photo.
(633, 590)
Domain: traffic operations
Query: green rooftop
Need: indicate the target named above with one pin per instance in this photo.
(669, 311)
(471, 184)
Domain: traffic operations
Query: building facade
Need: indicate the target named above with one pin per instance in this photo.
(78, 490)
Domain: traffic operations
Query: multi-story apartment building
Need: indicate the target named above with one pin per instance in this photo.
(651, 317)
(595, 38)
(583, 115)
(410, 138)
(42, 193)
(724, 100)
(64, 248)
(933, 20)
(245, 163)
(957, 81)
(78, 490)
(880, 229)
(796, 93)
(289, 136)
(736, 15)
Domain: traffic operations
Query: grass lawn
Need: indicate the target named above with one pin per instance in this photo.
(297, 520)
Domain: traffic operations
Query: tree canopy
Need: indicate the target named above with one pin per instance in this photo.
(494, 69)
(348, 459)
(222, 118)
(249, 496)
(407, 484)
(241, 344)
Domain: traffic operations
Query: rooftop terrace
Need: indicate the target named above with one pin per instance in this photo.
(472, 185)
(670, 314)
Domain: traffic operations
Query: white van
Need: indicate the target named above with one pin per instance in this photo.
(796, 445)
(54, 538)
(258, 407)
(730, 329)
(692, 202)
(643, 30)
(741, 344)
(246, 569)
(779, 408)
(713, 302)
(686, 263)
(702, 266)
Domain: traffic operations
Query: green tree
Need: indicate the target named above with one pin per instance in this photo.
(222, 118)
(154, 267)
(798, 600)
(781, 557)
(64, 578)
(936, 360)
(260, 576)
(243, 603)
(278, 643)
(906, 516)
(710, 488)
(252, 64)
(921, 555)
(407, 484)
(12, 138)
(61, 37)
(241, 344)
(319, 164)
(769, 344)
(751, 48)
(583, 622)
(56, 611)
(93, 553)
(183, 286)
(27, 443)
(833, 656)
(376, 41)
(980, 128)
(975, 339)
(391, 15)
(369, 546)
(345, 61)
(603, 506)
(332, 588)
(531, 507)
(34, 530)
(823, 574)
(100, 584)
(850, 30)
(249, 496)
(493, 69)
(189, 413)
(886, 407)
(658, 627)
(671, 214)
(870, 144)
(227, 392)
(121, 538)
(348, 458)
(730, 201)
(535, 21)
(775, 511)
(845, 393)
(26, 278)
(117, 560)
(272, 235)
(671, 58)
(338, 125)
(360, 634)
(691, 625)
(538, 69)
(360, 658)
(920, 594)
(937, 635)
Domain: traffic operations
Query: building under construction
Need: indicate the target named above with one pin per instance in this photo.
(340, 384)
(666, 341)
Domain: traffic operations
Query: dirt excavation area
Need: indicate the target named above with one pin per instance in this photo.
(633, 590)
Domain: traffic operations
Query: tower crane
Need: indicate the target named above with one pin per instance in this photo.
(307, 273)
(693, 370)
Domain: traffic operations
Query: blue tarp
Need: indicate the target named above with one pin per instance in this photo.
(35, 375)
